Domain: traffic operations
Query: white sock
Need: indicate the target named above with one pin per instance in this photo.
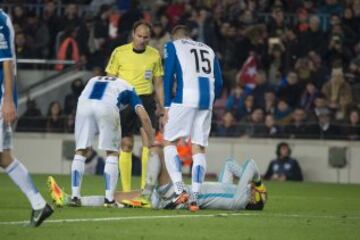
(230, 169)
(173, 166)
(77, 172)
(111, 175)
(250, 173)
(198, 172)
(153, 171)
(21, 177)
(92, 201)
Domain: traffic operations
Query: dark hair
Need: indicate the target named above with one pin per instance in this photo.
(139, 23)
(183, 28)
(53, 103)
(280, 145)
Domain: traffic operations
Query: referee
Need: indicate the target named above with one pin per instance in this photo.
(140, 65)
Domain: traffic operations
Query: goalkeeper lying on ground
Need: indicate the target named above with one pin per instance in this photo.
(249, 193)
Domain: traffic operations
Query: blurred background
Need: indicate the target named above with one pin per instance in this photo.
(291, 71)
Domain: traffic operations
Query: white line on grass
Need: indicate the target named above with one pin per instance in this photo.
(107, 219)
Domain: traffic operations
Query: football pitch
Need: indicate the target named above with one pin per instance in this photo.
(293, 211)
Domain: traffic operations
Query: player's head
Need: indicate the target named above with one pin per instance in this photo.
(141, 34)
(180, 31)
(283, 150)
(257, 200)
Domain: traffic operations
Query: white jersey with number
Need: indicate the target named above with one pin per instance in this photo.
(98, 112)
(197, 72)
(111, 91)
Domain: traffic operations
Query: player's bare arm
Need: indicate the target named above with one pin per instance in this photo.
(8, 108)
(146, 123)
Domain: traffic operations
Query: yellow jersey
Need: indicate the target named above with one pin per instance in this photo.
(136, 68)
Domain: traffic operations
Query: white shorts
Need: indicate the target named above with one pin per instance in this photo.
(5, 134)
(185, 122)
(92, 118)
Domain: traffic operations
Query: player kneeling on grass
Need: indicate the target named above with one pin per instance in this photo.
(250, 193)
(98, 113)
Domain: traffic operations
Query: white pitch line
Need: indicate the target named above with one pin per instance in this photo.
(107, 219)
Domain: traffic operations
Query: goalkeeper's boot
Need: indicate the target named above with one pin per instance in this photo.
(75, 202)
(138, 202)
(38, 216)
(58, 196)
(177, 200)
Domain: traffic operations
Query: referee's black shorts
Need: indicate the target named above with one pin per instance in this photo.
(130, 123)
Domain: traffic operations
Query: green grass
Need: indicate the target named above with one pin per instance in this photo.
(294, 211)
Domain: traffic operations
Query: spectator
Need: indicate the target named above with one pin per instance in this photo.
(19, 15)
(89, 45)
(70, 101)
(324, 129)
(159, 37)
(53, 24)
(303, 69)
(270, 129)
(260, 89)
(351, 130)
(313, 39)
(284, 167)
(68, 49)
(353, 77)
(94, 164)
(331, 7)
(276, 25)
(38, 34)
(31, 120)
(127, 19)
(319, 73)
(235, 100)
(292, 51)
(282, 113)
(205, 28)
(337, 50)
(228, 127)
(55, 121)
(308, 97)
(71, 17)
(228, 54)
(270, 102)
(350, 20)
(320, 103)
(23, 49)
(338, 92)
(245, 109)
(291, 90)
(297, 127)
(70, 123)
(253, 125)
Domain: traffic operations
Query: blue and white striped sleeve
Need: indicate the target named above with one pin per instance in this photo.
(6, 38)
(169, 65)
(218, 78)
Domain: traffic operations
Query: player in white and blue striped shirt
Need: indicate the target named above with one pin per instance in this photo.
(14, 168)
(98, 113)
(195, 69)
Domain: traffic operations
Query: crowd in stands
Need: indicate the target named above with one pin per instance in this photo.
(291, 68)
